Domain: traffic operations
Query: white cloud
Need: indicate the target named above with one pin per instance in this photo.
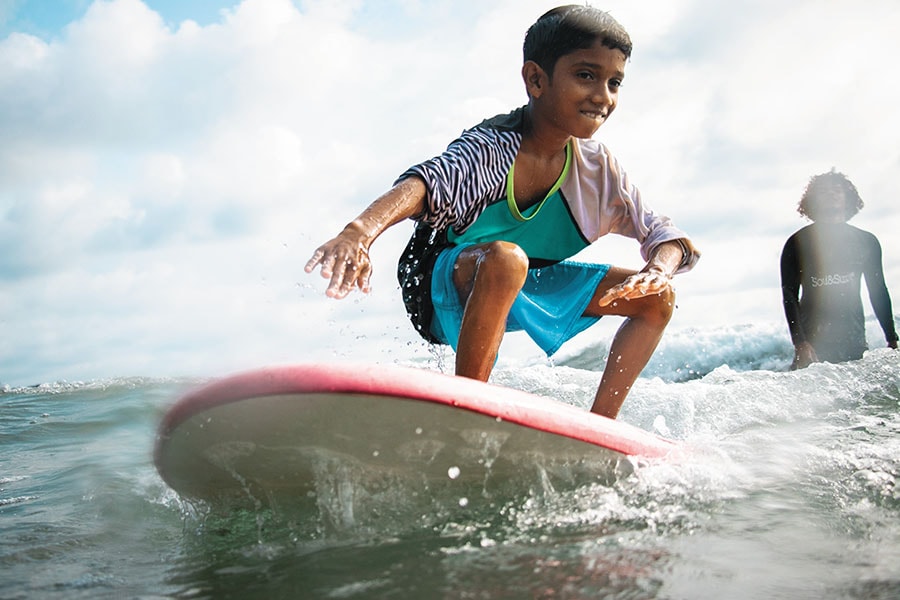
(162, 185)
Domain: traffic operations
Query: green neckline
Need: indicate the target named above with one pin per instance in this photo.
(511, 192)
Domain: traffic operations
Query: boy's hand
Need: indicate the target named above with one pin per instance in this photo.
(654, 278)
(345, 260)
(644, 283)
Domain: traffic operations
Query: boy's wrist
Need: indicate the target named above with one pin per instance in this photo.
(358, 228)
(667, 258)
(660, 270)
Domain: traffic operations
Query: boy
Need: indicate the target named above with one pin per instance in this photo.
(826, 259)
(504, 206)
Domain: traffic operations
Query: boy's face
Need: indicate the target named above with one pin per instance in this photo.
(583, 92)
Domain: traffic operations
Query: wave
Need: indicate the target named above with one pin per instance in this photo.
(694, 352)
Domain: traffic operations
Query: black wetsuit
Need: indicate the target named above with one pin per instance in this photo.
(827, 261)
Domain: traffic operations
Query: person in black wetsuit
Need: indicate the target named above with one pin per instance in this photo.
(827, 260)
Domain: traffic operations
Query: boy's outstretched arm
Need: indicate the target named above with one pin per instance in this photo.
(345, 258)
(654, 278)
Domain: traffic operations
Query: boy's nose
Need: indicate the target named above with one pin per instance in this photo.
(603, 96)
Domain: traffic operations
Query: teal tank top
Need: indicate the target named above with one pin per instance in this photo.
(546, 232)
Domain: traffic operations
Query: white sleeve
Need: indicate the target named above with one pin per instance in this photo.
(603, 200)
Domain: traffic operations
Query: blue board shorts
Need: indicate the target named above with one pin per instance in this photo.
(550, 308)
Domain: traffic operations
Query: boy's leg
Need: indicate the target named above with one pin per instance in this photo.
(633, 345)
(488, 278)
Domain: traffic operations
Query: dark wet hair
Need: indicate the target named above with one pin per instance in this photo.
(819, 185)
(566, 29)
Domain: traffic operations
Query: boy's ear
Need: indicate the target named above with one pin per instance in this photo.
(535, 79)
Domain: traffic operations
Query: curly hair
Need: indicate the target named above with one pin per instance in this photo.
(819, 186)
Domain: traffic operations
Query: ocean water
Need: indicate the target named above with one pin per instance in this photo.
(787, 488)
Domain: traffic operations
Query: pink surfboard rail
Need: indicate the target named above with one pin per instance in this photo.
(511, 405)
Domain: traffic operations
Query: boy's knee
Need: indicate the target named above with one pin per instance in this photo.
(655, 309)
(663, 306)
(504, 263)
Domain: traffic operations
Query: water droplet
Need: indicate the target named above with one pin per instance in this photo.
(463, 501)
(453, 472)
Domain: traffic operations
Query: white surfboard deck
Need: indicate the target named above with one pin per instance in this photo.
(287, 432)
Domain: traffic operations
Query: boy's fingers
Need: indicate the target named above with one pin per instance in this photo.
(611, 295)
(347, 275)
(365, 274)
(633, 287)
(311, 264)
(325, 261)
(336, 289)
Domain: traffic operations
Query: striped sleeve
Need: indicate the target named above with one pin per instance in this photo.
(468, 176)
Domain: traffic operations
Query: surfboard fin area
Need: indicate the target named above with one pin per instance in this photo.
(280, 434)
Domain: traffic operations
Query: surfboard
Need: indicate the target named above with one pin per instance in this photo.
(291, 434)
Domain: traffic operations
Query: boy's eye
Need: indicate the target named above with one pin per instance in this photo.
(586, 75)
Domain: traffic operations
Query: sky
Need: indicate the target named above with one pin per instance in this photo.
(167, 167)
